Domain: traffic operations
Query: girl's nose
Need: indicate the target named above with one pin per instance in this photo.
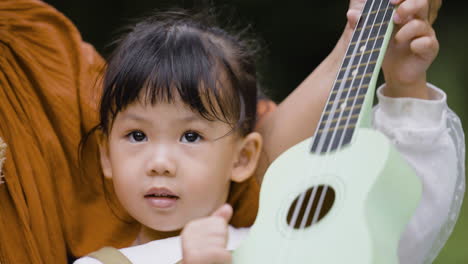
(160, 162)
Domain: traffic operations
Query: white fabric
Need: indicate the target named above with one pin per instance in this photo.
(166, 251)
(430, 137)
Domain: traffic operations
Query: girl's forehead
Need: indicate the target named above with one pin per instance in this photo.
(161, 109)
(207, 102)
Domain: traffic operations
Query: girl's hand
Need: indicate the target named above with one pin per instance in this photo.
(204, 240)
(412, 50)
(355, 7)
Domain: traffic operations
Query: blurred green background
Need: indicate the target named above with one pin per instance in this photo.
(296, 36)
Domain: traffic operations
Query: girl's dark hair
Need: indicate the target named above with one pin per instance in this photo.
(176, 53)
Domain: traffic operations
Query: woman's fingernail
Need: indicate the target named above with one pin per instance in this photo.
(394, 1)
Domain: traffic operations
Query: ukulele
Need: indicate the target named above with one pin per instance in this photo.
(344, 195)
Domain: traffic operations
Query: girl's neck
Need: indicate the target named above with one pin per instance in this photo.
(147, 235)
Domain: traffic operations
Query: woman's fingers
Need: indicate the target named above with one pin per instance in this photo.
(353, 17)
(354, 11)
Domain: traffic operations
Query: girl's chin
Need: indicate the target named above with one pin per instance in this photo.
(155, 232)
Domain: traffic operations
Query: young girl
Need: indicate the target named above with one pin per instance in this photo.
(177, 116)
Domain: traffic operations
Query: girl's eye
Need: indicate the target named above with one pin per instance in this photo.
(137, 136)
(190, 137)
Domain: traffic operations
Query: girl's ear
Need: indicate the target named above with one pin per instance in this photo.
(247, 157)
(104, 155)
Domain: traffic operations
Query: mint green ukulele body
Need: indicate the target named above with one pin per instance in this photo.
(344, 195)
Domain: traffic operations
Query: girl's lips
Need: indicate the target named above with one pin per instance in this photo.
(161, 198)
(161, 202)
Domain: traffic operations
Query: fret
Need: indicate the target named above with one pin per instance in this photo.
(355, 77)
(362, 65)
(357, 103)
(344, 140)
(341, 114)
(348, 112)
(373, 22)
(348, 92)
(362, 89)
(361, 68)
(337, 137)
(350, 126)
(374, 12)
(366, 57)
(362, 96)
(367, 35)
(341, 120)
(366, 40)
(374, 26)
(363, 53)
(370, 43)
(328, 137)
(346, 109)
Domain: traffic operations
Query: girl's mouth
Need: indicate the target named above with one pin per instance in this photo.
(161, 198)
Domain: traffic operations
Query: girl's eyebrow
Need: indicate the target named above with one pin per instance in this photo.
(188, 118)
(134, 117)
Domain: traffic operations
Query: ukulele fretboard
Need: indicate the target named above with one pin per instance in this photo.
(343, 108)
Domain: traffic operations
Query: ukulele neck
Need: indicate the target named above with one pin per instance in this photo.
(350, 100)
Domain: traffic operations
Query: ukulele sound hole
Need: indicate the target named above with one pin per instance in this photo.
(305, 211)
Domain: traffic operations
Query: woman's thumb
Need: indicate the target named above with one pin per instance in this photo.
(225, 212)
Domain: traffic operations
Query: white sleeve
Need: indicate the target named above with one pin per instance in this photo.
(87, 260)
(169, 250)
(430, 137)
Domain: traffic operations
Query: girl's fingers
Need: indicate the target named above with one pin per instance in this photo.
(220, 256)
(434, 6)
(426, 47)
(225, 212)
(411, 9)
(421, 38)
(414, 29)
(396, 2)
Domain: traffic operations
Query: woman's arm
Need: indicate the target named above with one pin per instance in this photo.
(296, 117)
(414, 46)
